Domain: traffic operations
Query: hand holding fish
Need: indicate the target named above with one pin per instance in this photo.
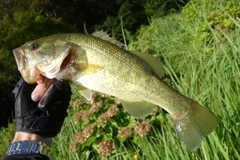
(35, 127)
(47, 120)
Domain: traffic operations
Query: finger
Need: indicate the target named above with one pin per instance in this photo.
(53, 92)
(41, 88)
(40, 79)
(50, 96)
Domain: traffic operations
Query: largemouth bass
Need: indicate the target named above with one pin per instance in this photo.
(96, 62)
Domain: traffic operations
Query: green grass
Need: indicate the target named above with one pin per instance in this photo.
(211, 78)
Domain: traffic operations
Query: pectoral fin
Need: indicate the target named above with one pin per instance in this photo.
(138, 109)
(88, 68)
(91, 68)
(85, 92)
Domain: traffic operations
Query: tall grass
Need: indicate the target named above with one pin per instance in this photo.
(211, 78)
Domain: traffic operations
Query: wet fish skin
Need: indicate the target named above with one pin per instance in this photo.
(96, 62)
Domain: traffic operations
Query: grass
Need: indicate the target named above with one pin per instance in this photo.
(211, 78)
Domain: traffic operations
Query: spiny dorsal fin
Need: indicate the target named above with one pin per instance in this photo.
(104, 36)
(155, 64)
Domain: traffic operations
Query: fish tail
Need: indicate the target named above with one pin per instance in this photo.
(195, 124)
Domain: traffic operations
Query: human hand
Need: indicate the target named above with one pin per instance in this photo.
(48, 121)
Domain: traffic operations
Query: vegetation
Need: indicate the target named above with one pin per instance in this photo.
(211, 79)
(205, 69)
(212, 15)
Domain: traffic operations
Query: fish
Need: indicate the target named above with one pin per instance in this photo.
(97, 62)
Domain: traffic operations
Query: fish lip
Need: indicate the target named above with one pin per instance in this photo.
(28, 73)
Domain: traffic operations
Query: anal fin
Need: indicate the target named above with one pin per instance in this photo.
(139, 109)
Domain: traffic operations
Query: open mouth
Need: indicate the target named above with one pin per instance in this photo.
(20, 58)
(65, 61)
(29, 74)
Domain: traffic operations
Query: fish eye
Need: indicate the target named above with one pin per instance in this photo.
(33, 46)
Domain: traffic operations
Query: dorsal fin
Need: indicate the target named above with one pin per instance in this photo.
(104, 36)
(155, 64)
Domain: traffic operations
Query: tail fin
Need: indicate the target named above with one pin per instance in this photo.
(191, 128)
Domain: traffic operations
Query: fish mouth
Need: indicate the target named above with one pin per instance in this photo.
(28, 73)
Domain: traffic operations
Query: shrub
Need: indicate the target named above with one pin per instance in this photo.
(103, 124)
(213, 17)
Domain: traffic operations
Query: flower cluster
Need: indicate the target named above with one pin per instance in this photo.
(125, 132)
(81, 137)
(156, 56)
(105, 108)
(116, 100)
(105, 95)
(142, 128)
(77, 117)
(105, 148)
(73, 148)
(112, 111)
(155, 111)
(84, 115)
(76, 104)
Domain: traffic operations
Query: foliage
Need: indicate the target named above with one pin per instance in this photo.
(28, 26)
(96, 15)
(74, 12)
(213, 17)
(7, 80)
(158, 8)
(211, 79)
(102, 124)
(132, 14)
(6, 135)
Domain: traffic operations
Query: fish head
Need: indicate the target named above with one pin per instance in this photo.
(46, 56)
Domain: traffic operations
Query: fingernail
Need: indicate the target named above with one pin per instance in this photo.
(36, 97)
